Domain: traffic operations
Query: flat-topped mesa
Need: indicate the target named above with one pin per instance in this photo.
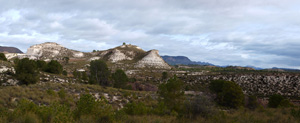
(50, 50)
(152, 60)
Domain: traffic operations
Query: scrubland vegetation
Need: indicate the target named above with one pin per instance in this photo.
(223, 102)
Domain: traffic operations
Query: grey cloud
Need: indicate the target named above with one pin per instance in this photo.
(236, 32)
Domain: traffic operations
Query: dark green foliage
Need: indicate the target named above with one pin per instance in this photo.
(136, 108)
(54, 67)
(88, 106)
(172, 94)
(120, 79)
(84, 76)
(216, 86)
(229, 94)
(99, 73)
(2, 57)
(164, 76)
(277, 100)
(42, 65)
(65, 73)
(252, 102)
(26, 71)
(55, 113)
(76, 74)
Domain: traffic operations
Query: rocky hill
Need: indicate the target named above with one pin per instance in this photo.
(51, 50)
(122, 56)
(10, 50)
(152, 59)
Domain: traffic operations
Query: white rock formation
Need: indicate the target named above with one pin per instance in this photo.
(10, 56)
(51, 50)
(4, 69)
(94, 58)
(152, 60)
(117, 55)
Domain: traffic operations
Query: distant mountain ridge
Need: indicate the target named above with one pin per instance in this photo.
(183, 60)
(10, 49)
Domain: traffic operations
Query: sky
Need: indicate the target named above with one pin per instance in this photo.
(261, 33)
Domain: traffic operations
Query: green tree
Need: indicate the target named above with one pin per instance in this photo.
(229, 94)
(120, 79)
(172, 94)
(54, 67)
(26, 71)
(99, 72)
(2, 57)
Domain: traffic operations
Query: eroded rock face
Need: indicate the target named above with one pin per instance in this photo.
(52, 50)
(117, 55)
(152, 60)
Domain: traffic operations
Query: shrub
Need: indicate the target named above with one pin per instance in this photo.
(120, 79)
(172, 94)
(136, 108)
(99, 110)
(55, 113)
(229, 94)
(277, 100)
(54, 67)
(26, 71)
(200, 106)
(99, 73)
(2, 57)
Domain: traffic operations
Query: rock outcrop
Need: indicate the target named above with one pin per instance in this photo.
(152, 60)
(117, 55)
(260, 84)
(51, 50)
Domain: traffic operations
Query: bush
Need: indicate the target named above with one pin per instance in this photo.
(229, 94)
(2, 57)
(136, 108)
(54, 67)
(277, 100)
(120, 79)
(26, 71)
(200, 106)
(99, 110)
(172, 94)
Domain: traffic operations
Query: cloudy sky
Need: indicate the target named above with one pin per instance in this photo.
(262, 33)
